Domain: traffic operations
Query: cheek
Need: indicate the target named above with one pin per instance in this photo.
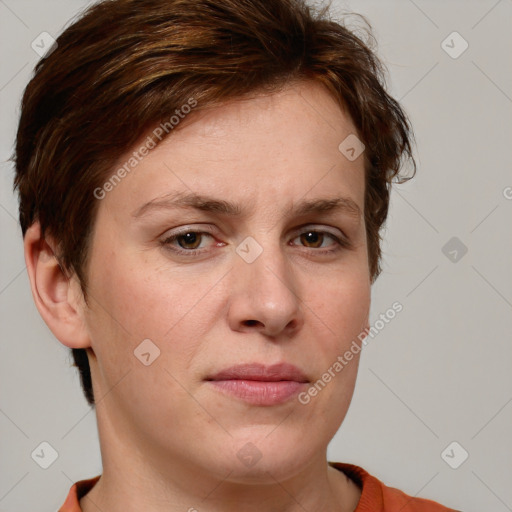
(344, 306)
(136, 303)
(141, 298)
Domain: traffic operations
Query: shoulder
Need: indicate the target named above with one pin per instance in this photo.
(77, 491)
(377, 497)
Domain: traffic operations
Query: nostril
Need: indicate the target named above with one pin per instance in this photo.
(251, 322)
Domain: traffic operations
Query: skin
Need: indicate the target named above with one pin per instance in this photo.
(169, 439)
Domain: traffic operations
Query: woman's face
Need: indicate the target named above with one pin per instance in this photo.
(263, 282)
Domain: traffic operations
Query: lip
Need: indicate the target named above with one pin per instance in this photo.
(260, 384)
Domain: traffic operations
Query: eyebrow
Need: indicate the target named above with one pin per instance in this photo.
(222, 207)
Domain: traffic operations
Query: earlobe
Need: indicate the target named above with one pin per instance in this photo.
(52, 290)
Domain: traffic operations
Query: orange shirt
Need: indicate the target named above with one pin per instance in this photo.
(375, 496)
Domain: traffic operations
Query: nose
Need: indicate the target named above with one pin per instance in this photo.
(264, 295)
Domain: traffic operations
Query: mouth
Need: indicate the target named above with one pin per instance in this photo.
(260, 384)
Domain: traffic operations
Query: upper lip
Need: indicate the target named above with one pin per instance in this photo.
(261, 372)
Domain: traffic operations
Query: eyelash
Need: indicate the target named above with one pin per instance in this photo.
(340, 243)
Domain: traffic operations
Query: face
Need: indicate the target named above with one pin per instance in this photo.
(207, 251)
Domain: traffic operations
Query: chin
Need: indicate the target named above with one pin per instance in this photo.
(265, 457)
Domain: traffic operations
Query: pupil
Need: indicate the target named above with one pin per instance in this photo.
(312, 237)
(190, 238)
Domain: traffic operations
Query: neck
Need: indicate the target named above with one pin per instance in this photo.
(139, 476)
(127, 487)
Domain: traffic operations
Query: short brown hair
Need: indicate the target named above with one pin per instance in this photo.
(126, 65)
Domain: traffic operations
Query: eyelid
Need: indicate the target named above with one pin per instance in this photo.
(196, 228)
(321, 228)
(299, 230)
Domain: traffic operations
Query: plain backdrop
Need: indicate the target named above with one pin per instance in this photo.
(438, 373)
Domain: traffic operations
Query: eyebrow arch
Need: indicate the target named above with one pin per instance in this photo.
(219, 206)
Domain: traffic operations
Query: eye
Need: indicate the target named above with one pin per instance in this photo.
(189, 242)
(314, 239)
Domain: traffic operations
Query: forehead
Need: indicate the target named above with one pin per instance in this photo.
(268, 148)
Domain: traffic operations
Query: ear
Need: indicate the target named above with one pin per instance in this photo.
(57, 297)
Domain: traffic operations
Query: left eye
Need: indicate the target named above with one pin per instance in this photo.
(316, 238)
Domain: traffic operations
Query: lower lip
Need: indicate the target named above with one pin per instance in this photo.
(260, 392)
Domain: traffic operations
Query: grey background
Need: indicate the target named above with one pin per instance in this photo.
(439, 372)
